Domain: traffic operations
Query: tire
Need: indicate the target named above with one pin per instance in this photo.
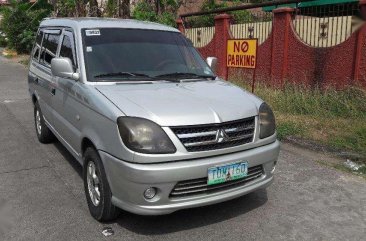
(95, 181)
(44, 134)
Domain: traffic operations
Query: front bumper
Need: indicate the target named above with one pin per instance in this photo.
(128, 181)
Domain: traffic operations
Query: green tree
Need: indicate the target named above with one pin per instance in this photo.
(241, 16)
(67, 8)
(111, 8)
(161, 11)
(20, 23)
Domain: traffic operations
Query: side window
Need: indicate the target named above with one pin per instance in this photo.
(36, 53)
(37, 45)
(67, 49)
(49, 47)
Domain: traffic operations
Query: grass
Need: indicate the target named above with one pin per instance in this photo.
(24, 61)
(336, 119)
(286, 129)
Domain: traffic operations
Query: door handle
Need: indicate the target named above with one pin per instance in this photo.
(53, 91)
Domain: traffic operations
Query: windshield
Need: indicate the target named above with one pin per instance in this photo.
(113, 54)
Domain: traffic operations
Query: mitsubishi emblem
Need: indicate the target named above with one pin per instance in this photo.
(221, 136)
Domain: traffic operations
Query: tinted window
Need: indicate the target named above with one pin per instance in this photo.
(67, 50)
(148, 52)
(49, 47)
(37, 45)
(36, 53)
(52, 42)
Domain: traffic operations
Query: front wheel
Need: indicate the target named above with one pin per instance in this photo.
(97, 190)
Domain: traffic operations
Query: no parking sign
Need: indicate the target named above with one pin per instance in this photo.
(242, 53)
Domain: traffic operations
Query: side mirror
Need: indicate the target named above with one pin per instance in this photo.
(212, 62)
(62, 67)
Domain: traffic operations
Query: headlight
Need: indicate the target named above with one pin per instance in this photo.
(144, 136)
(266, 121)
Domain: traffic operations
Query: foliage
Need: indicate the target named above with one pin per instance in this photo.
(167, 19)
(241, 16)
(111, 8)
(116, 8)
(3, 41)
(146, 11)
(65, 8)
(335, 118)
(285, 129)
(295, 99)
(206, 20)
(20, 23)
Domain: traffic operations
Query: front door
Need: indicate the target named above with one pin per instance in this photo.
(67, 98)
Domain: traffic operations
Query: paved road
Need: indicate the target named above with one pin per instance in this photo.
(42, 197)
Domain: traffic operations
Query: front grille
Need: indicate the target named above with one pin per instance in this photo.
(199, 186)
(216, 136)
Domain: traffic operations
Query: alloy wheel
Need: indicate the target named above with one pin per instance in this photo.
(93, 183)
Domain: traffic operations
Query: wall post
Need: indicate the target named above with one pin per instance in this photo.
(360, 43)
(180, 25)
(280, 45)
(222, 34)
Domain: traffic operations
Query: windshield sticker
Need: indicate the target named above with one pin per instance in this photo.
(89, 49)
(92, 32)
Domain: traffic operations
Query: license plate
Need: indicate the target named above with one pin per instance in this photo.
(228, 172)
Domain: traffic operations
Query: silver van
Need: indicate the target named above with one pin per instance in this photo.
(153, 127)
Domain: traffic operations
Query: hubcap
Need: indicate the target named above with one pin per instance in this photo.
(93, 184)
(38, 122)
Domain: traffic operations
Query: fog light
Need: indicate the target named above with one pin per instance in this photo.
(150, 193)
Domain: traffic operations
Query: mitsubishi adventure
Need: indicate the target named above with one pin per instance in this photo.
(153, 127)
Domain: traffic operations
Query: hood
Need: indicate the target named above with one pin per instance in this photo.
(187, 103)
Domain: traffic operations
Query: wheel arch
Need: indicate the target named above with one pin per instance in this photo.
(85, 143)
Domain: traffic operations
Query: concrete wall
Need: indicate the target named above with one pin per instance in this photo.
(284, 57)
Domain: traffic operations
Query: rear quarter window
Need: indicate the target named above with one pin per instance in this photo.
(37, 45)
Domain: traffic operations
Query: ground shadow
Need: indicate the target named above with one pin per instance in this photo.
(192, 218)
(69, 158)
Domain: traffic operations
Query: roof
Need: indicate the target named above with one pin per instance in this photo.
(79, 23)
(311, 4)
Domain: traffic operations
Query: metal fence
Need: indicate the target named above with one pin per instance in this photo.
(326, 26)
(257, 25)
(318, 26)
(200, 37)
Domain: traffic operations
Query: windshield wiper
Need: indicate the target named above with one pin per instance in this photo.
(122, 74)
(187, 75)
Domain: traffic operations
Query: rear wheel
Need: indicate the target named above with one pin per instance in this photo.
(97, 190)
(44, 134)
